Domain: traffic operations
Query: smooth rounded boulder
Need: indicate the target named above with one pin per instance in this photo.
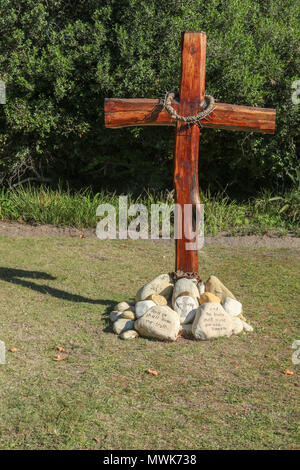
(216, 287)
(129, 334)
(208, 297)
(247, 327)
(237, 325)
(185, 287)
(129, 314)
(186, 308)
(211, 322)
(201, 288)
(162, 285)
(123, 306)
(114, 315)
(158, 299)
(232, 306)
(122, 324)
(159, 322)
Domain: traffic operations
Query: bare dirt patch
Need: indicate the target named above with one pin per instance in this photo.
(15, 229)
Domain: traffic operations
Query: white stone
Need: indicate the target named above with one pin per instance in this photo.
(237, 325)
(162, 285)
(186, 308)
(159, 322)
(201, 288)
(122, 324)
(114, 315)
(211, 321)
(246, 326)
(142, 307)
(185, 287)
(232, 306)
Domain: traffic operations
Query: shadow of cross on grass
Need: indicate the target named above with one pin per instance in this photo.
(13, 275)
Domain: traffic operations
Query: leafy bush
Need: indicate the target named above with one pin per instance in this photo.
(60, 59)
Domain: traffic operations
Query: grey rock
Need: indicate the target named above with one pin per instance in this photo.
(114, 315)
(186, 330)
(142, 307)
(122, 324)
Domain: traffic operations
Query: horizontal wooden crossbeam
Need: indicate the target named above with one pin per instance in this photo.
(149, 112)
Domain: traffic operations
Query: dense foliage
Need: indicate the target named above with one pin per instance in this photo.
(60, 59)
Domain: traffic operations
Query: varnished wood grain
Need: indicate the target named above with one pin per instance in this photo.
(148, 112)
(192, 94)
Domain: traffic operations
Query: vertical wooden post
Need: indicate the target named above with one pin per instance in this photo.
(192, 95)
(145, 112)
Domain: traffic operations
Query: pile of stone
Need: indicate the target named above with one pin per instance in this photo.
(166, 308)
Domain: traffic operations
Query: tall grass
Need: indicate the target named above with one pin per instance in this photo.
(42, 205)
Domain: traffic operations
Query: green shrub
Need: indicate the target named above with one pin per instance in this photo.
(60, 59)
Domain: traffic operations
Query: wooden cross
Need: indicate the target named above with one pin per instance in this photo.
(150, 112)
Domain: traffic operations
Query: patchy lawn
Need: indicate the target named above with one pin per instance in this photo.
(225, 394)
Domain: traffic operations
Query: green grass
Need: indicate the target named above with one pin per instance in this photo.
(224, 394)
(265, 214)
